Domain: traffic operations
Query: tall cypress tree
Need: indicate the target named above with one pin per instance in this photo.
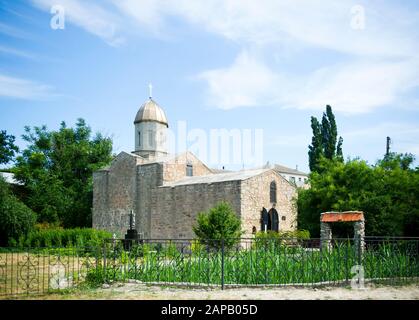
(315, 149)
(323, 142)
(329, 131)
(339, 153)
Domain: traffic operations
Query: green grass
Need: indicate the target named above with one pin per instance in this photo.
(273, 264)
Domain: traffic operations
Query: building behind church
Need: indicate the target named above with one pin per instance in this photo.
(166, 192)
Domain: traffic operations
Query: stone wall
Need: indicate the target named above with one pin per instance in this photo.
(175, 169)
(114, 193)
(149, 177)
(256, 195)
(176, 209)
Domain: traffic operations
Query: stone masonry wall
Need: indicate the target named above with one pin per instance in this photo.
(175, 169)
(176, 208)
(256, 195)
(149, 177)
(114, 191)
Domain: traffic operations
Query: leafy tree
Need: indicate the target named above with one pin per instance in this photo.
(323, 143)
(219, 223)
(7, 147)
(386, 192)
(397, 160)
(56, 168)
(16, 219)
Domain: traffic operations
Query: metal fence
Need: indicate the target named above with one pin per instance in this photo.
(211, 263)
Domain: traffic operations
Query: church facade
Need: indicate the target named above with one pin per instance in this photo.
(166, 192)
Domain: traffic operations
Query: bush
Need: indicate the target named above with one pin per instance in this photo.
(296, 234)
(272, 240)
(58, 237)
(219, 223)
(16, 219)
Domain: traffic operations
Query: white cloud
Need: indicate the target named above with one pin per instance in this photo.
(11, 87)
(12, 31)
(377, 65)
(16, 52)
(89, 16)
(351, 88)
(325, 24)
(357, 87)
(246, 82)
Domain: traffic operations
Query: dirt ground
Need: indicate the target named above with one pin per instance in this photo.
(133, 291)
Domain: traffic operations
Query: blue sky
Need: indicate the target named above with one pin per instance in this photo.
(262, 64)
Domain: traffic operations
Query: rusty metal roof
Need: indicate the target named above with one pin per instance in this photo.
(346, 216)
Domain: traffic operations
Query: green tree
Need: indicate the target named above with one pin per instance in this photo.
(16, 219)
(386, 192)
(219, 223)
(324, 142)
(8, 149)
(56, 169)
(315, 151)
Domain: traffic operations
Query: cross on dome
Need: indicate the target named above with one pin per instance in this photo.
(150, 90)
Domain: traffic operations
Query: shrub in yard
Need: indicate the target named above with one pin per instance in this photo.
(16, 219)
(77, 237)
(272, 239)
(219, 223)
(296, 234)
(95, 277)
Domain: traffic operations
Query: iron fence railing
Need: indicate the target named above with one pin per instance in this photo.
(217, 263)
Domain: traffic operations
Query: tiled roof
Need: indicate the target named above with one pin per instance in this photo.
(346, 216)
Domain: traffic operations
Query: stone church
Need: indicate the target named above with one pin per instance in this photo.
(166, 192)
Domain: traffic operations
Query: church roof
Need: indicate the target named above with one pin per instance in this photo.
(283, 169)
(219, 177)
(151, 111)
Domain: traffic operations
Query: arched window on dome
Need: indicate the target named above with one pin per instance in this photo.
(272, 192)
(150, 139)
(139, 138)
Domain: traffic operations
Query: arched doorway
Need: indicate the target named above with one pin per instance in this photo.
(274, 219)
(264, 220)
(269, 220)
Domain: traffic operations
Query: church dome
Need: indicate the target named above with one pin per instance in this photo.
(151, 111)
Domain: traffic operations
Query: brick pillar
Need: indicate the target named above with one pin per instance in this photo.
(325, 235)
(359, 235)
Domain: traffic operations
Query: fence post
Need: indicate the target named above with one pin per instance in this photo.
(104, 260)
(222, 264)
(346, 263)
(359, 247)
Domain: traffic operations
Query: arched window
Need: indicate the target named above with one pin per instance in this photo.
(189, 170)
(272, 194)
(150, 139)
(139, 138)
